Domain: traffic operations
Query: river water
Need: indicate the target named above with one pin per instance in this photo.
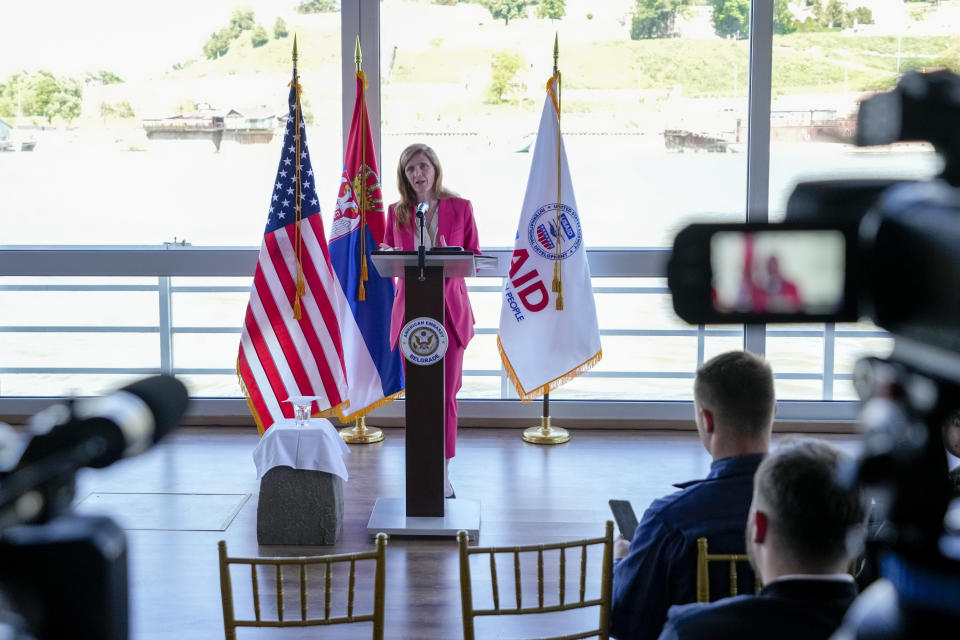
(631, 192)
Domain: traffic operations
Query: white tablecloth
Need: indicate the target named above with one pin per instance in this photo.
(317, 447)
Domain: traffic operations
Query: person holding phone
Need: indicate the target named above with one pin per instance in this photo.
(448, 221)
(734, 407)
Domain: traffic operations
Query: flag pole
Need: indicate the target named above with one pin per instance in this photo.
(359, 433)
(298, 186)
(545, 433)
(362, 192)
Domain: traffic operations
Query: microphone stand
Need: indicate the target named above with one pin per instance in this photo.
(422, 250)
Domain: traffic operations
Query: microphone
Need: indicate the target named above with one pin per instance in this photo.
(88, 432)
(422, 209)
(127, 422)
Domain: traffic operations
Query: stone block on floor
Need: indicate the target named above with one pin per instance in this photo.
(299, 506)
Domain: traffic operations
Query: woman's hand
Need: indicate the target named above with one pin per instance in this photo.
(385, 247)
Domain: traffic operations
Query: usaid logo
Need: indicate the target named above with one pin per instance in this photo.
(423, 341)
(544, 236)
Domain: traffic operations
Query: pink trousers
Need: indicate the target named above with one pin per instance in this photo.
(453, 380)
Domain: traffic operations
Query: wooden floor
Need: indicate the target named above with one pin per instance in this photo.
(528, 493)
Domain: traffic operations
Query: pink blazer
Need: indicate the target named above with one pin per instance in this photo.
(455, 223)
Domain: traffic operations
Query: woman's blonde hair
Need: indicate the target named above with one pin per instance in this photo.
(408, 197)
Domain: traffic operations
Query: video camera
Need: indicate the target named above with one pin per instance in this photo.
(64, 575)
(889, 251)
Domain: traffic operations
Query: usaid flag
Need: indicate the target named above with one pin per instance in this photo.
(548, 337)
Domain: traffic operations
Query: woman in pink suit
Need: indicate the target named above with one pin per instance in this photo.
(448, 222)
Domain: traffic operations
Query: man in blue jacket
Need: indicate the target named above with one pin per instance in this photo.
(734, 404)
(802, 533)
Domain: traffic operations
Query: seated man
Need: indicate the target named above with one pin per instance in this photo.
(798, 541)
(734, 406)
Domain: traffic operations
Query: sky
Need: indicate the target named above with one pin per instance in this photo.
(130, 38)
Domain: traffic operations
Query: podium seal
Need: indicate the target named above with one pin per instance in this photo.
(423, 341)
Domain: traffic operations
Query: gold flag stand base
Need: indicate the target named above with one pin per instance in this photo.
(546, 434)
(359, 433)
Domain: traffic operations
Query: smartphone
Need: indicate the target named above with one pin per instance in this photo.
(625, 517)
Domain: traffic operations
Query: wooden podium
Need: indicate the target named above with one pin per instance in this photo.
(424, 511)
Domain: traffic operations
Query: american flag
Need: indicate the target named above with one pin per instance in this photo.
(290, 343)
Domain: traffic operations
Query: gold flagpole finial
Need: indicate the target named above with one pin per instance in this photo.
(356, 56)
(294, 51)
(556, 52)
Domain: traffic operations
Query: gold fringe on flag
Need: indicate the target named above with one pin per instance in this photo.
(350, 417)
(246, 396)
(556, 383)
(332, 412)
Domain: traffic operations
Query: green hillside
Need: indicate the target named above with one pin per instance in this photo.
(318, 44)
(821, 62)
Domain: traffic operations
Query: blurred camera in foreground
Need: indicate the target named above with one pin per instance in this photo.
(889, 251)
(64, 575)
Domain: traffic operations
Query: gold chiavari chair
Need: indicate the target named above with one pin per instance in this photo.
(704, 557)
(542, 605)
(329, 562)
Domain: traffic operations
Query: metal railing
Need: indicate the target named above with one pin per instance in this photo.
(175, 262)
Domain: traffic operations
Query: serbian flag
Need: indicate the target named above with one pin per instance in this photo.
(290, 343)
(374, 371)
(548, 321)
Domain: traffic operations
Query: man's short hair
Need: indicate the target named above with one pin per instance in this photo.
(809, 509)
(738, 387)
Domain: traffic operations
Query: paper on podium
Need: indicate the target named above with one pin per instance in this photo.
(485, 263)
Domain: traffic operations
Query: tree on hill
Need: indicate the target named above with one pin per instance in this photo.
(280, 29)
(655, 18)
(860, 15)
(553, 9)
(317, 6)
(259, 36)
(506, 9)
(102, 77)
(731, 18)
(241, 20)
(218, 44)
(119, 110)
(833, 14)
(62, 105)
(41, 94)
(783, 20)
(505, 66)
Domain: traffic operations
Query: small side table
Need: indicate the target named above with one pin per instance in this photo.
(301, 474)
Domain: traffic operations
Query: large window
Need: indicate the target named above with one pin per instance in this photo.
(159, 128)
(834, 56)
(157, 124)
(653, 115)
(652, 143)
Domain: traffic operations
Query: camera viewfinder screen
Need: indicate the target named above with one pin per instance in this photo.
(796, 272)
